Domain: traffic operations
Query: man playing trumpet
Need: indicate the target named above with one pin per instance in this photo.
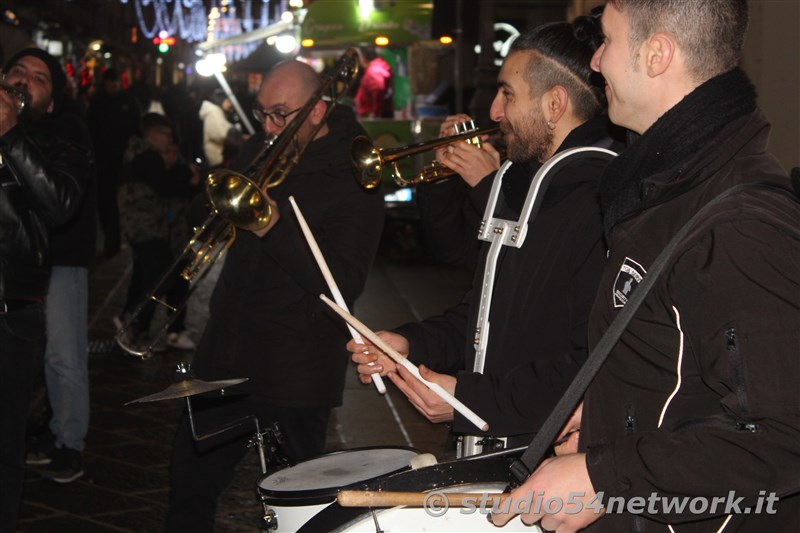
(548, 100)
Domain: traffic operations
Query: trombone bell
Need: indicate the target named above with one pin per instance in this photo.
(366, 161)
(238, 199)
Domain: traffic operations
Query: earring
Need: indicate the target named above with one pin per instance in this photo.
(551, 125)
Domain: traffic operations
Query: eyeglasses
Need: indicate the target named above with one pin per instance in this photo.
(276, 117)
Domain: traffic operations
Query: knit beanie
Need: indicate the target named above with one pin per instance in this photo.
(59, 79)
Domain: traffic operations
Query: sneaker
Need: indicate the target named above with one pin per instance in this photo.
(40, 452)
(67, 466)
(180, 340)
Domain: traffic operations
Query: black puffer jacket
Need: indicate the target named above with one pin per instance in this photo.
(42, 182)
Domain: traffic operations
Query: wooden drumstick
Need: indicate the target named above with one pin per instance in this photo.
(369, 498)
(326, 273)
(465, 411)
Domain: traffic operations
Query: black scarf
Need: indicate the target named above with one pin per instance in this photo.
(672, 139)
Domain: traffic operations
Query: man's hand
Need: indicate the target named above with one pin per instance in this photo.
(567, 440)
(560, 483)
(470, 162)
(426, 401)
(371, 359)
(276, 216)
(8, 112)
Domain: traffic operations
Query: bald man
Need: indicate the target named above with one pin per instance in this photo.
(266, 319)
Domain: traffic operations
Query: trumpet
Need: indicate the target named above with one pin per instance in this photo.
(19, 94)
(369, 160)
(238, 200)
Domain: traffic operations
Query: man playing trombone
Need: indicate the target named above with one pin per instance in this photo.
(548, 100)
(266, 319)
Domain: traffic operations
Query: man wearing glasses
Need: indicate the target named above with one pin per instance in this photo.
(266, 319)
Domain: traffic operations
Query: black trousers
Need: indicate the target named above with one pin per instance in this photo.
(151, 259)
(200, 471)
(22, 341)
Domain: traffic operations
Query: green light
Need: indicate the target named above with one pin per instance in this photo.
(163, 48)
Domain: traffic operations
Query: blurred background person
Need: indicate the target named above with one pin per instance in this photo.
(215, 126)
(113, 117)
(374, 98)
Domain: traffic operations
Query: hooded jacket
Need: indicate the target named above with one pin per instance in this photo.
(267, 321)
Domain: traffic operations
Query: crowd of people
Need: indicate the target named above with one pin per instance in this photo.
(656, 133)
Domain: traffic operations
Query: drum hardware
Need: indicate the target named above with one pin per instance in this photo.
(291, 496)
(187, 386)
(467, 445)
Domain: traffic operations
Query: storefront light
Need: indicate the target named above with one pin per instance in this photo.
(210, 64)
(381, 40)
(286, 44)
(307, 43)
(295, 4)
(365, 8)
(446, 39)
(287, 17)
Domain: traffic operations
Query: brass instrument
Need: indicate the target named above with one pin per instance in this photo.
(19, 94)
(238, 200)
(369, 160)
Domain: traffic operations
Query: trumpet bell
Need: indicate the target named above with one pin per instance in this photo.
(238, 199)
(366, 162)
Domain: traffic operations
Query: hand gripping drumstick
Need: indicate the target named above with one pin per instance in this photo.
(369, 498)
(408, 365)
(326, 273)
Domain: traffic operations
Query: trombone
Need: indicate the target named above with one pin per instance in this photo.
(239, 200)
(369, 160)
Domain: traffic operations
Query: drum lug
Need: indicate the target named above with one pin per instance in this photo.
(270, 519)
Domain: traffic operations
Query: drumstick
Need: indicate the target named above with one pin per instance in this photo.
(326, 273)
(408, 365)
(368, 498)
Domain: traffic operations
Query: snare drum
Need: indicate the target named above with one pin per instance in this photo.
(488, 473)
(293, 495)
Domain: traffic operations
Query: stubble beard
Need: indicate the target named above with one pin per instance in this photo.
(531, 141)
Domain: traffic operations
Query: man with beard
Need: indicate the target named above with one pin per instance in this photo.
(692, 423)
(548, 100)
(43, 176)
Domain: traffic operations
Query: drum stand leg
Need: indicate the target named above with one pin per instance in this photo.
(375, 518)
(257, 440)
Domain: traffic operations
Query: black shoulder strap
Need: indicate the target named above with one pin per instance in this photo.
(523, 467)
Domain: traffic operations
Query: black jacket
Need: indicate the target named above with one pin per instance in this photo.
(73, 244)
(42, 181)
(267, 322)
(542, 296)
(700, 395)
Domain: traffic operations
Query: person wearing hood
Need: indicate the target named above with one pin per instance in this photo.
(44, 174)
(215, 127)
(266, 321)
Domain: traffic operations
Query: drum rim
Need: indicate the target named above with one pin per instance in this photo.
(336, 518)
(294, 498)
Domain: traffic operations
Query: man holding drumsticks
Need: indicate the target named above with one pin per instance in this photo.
(693, 422)
(266, 321)
(548, 100)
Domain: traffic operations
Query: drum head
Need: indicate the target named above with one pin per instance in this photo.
(323, 476)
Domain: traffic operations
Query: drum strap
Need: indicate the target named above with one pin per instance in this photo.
(524, 466)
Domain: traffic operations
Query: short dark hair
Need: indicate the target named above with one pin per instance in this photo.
(153, 121)
(710, 33)
(562, 52)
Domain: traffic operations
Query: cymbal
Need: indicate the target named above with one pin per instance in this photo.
(188, 387)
